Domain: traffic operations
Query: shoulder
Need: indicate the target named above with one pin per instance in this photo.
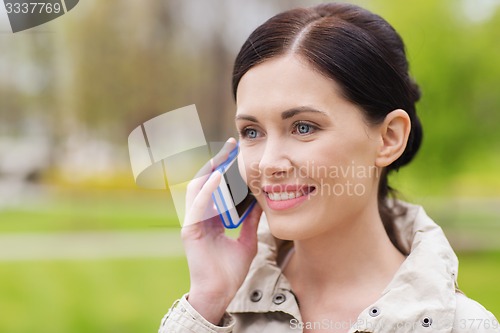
(470, 316)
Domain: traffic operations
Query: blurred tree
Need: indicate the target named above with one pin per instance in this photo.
(456, 61)
(120, 62)
(132, 62)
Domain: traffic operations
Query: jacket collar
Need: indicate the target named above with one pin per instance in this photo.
(422, 292)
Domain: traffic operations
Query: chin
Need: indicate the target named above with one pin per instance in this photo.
(287, 228)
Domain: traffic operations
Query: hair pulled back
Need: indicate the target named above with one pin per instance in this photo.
(361, 52)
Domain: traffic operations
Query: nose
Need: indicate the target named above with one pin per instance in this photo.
(275, 161)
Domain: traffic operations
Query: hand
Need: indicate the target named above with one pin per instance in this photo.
(217, 264)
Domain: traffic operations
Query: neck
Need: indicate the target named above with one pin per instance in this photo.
(355, 256)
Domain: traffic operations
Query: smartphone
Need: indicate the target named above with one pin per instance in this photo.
(232, 198)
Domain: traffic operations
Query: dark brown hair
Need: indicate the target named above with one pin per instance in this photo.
(361, 52)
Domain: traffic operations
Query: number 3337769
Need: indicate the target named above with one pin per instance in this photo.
(33, 8)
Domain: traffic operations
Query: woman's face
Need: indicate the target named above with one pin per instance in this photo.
(307, 154)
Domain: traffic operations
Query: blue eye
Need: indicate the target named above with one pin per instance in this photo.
(302, 128)
(250, 133)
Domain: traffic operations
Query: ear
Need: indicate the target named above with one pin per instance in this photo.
(394, 133)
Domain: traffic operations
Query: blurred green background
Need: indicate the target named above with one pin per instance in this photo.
(82, 249)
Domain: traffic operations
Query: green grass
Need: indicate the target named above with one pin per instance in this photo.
(124, 296)
(89, 296)
(478, 277)
(79, 210)
(108, 296)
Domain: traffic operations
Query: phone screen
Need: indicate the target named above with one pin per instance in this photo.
(240, 193)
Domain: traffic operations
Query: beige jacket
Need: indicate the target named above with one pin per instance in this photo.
(422, 297)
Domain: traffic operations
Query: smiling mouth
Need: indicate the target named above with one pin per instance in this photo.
(289, 195)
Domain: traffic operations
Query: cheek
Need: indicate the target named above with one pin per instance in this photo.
(347, 176)
(248, 167)
(339, 160)
(242, 168)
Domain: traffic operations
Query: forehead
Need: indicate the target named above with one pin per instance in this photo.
(283, 83)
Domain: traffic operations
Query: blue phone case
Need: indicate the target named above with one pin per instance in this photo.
(227, 220)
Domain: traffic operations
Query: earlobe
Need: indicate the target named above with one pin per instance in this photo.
(394, 133)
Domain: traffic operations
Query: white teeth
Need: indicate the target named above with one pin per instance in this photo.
(284, 195)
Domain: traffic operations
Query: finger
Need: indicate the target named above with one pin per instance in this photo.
(248, 234)
(218, 159)
(203, 199)
(222, 155)
(202, 175)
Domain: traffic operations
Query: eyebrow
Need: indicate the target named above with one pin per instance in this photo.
(302, 109)
(246, 117)
(285, 114)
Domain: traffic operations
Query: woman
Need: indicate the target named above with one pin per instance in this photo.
(325, 110)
